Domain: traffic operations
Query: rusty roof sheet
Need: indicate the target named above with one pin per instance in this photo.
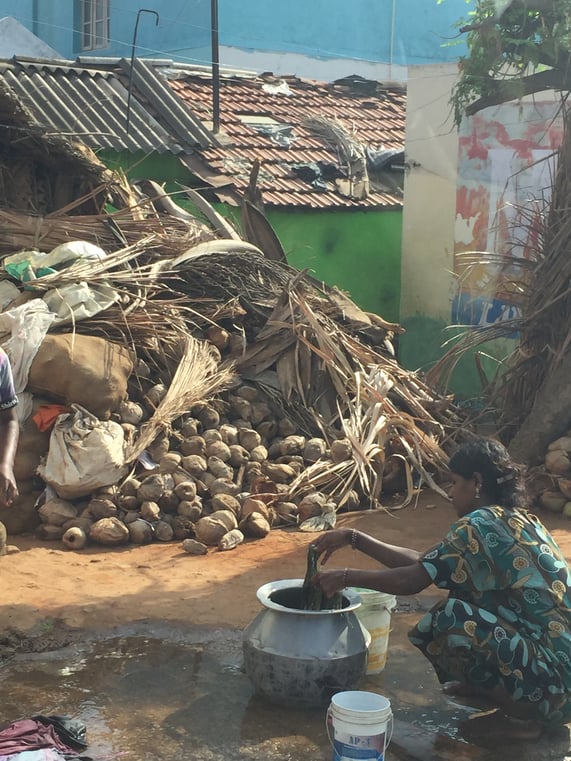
(282, 141)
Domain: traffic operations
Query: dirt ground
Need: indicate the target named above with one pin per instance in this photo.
(99, 589)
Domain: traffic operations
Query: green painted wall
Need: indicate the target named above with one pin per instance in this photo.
(427, 339)
(360, 252)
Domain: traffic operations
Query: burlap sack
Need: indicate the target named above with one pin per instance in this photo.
(85, 370)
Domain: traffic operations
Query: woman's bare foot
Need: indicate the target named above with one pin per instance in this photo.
(497, 726)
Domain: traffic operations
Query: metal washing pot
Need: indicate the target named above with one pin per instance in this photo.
(302, 657)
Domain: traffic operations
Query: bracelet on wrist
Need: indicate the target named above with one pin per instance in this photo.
(345, 572)
(354, 536)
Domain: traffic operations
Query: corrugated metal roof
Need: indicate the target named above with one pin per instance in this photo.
(373, 114)
(90, 104)
(88, 100)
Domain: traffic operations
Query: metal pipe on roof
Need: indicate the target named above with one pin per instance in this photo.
(156, 15)
(215, 67)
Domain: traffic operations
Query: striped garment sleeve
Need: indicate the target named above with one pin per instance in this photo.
(8, 396)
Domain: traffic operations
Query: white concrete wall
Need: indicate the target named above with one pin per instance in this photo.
(431, 147)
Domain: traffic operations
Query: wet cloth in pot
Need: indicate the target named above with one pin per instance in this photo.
(507, 619)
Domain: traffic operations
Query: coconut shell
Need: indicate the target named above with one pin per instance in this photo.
(292, 445)
(218, 449)
(185, 490)
(228, 434)
(99, 507)
(189, 510)
(259, 454)
(83, 523)
(156, 394)
(209, 418)
(565, 487)
(140, 532)
(267, 429)
(231, 540)
(218, 337)
(279, 473)
(192, 547)
(314, 450)
(131, 412)
(564, 443)
(341, 450)
(182, 528)
(249, 438)
(56, 512)
(190, 426)
(226, 502)
(211, 528)
(286, 427)
(168, 503)
(219, 468)
(152, 488)
(311, 505)
(557, 462)
(193, 445)
(150, 511)
(552, 501)
(159, 447)
(170, 462)
(109, 531)
(129, 487)
(238, 455)
(194, 464)
(255, 525)
(259, 411)
(240, 408)
(164, 532)
(223, 486)
(252, 505)
(75, 538)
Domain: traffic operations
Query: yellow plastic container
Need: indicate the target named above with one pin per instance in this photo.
(375, 616)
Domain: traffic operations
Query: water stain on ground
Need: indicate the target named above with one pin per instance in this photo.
(159, 693)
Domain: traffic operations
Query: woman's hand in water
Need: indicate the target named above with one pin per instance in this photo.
(330, 582)
(328, 543)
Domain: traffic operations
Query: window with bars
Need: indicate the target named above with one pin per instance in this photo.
(94, 24)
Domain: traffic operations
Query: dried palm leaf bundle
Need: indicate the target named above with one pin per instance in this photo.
(197, 377)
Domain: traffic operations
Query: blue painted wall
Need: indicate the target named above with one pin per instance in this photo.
(409, 31)
(403, 32)
(183, 25)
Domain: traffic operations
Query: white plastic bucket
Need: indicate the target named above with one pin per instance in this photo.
(375, 615)
(359, 726)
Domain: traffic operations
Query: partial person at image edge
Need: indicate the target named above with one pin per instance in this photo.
(9, 434)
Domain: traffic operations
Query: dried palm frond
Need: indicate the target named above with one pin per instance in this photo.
(366, 426)
(197, 377)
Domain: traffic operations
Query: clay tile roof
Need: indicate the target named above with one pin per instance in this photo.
(265, 118)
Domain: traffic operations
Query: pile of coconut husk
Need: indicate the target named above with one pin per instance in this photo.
(550, 481)
(255, 395)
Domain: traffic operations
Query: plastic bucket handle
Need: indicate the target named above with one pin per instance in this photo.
(328, 716)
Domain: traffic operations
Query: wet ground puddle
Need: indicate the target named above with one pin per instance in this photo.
(157, 694)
